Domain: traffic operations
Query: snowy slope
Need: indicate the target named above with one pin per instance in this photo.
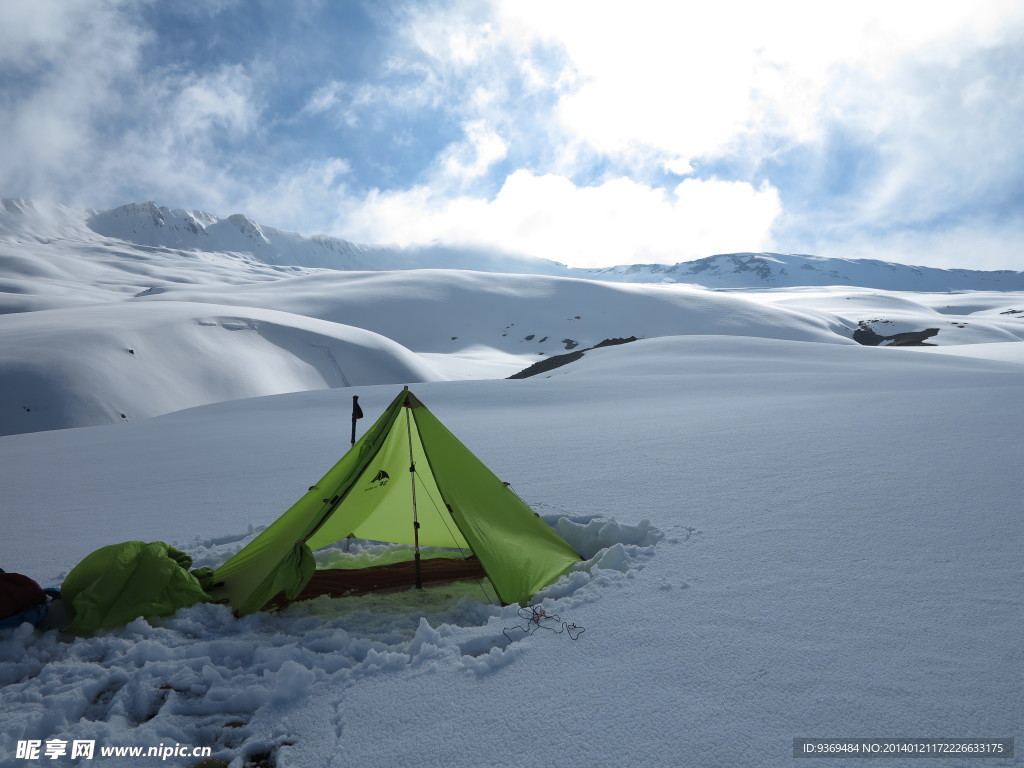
(448, 310)
(514, 320)
(966, 318)
(832, 550)
(105, 363)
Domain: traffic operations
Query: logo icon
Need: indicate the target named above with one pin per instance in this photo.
(379, 480)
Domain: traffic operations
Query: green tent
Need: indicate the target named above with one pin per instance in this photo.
(408, 480)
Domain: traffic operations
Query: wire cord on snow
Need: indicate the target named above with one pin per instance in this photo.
(536, 618)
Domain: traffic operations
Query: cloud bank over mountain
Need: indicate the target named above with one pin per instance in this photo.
(571, 134)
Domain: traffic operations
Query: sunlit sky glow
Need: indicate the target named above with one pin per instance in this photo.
(591, 133)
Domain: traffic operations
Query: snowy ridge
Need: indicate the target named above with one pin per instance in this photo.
(776, 270)
(154, 226)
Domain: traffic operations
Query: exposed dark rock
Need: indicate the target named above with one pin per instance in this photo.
(613, 342)
(548, 364)
(913, 339)
(557, 361)
(867, 336)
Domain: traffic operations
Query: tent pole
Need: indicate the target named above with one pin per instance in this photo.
(415, 518)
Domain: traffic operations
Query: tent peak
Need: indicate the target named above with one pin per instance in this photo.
(411, 401)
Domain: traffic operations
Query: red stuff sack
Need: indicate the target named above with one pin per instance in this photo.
(18, 593)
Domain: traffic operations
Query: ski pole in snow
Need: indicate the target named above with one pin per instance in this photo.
(357, 413)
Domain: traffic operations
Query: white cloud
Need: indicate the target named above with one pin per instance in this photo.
(67, 62)
(688, 80)
(325, 98)
(619, 221)
(179, 149)
(929, 162)
(473, 157)
(219, 101)
(86, 124)
(654, 86)
(302, 199)
(897, 116)
(56, 30)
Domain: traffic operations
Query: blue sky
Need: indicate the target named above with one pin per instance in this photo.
(592, 133)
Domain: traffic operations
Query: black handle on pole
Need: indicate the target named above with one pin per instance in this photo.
(357, 413)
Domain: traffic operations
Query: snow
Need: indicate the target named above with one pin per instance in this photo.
(448, 310)
(977, 318)
(154, 234)
(1009, 351)
(786, 534)
(107, 362)
(791, 270)
(154, 225)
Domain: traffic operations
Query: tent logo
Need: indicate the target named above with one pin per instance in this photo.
(379, 480)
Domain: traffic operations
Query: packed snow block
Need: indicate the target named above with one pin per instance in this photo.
(121, 582)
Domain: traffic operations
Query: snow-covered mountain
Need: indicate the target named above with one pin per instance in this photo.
(153, 226)
(126, 314)
(776, 270)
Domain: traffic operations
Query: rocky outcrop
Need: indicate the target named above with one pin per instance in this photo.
(557, 361)
(867, 336)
